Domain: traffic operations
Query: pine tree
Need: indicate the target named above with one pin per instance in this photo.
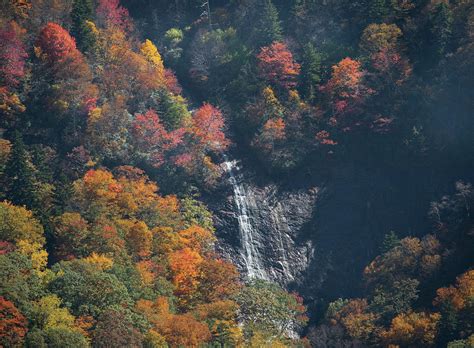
(268, 26)
(20, 176)
(390, 241)
(379, 10)
(310, 71)
(82, 11)
(441, 28)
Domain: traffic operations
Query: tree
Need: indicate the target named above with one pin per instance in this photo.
(276, 65)
(185, 269)
(87, 290)
(55, 44)
(267, 307)
(19, 282)
(46, 313)
(310, 72)
(115, 329)
(82, 11)
(111, 13)
(390, 241)
(12, 55)
(71, 233)
(441, 28)
(412, 329)
(13, 325)
(380, 37)
(152, 137)
(261, 26)
(347, 92)
(18, 224)
(208, 128)
(20, 176)
(149, 50)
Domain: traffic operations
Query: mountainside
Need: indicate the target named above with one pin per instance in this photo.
(236, 173)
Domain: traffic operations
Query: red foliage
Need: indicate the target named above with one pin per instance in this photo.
(12, 54)
(208, 127)
(56, 43)
(391, 65)
(6, 247)
(152, 136)
(323, 137)
(112, 14)
(13, 325)
(276, 65)
(171, 82)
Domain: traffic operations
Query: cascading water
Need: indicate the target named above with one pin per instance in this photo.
(253, 263)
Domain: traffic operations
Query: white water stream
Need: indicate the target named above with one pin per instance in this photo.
(248, 233)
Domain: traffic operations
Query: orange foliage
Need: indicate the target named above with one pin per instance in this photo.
(55, 44)
(178, 330)
(138, 237)
(184, 265)
(197, 238)
(460, 294)
(412, 330)
(219, 280)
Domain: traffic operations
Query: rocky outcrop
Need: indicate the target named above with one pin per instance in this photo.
(261, 227)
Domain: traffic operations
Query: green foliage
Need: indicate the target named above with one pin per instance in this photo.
(19, 282)
(265, 307)
(390, 241)
(82, 11)
(441, 28)
(196, 213)
(310, 72)
(21, 186)
(85, 289)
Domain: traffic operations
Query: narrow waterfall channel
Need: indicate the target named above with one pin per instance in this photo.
(243, 202)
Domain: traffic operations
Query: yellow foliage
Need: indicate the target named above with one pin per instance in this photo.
(149, 50)
(36, 253)
(10, 103)
(18, 223)
(48, 314)
(100, 261)
(94, 115)
(144, 268)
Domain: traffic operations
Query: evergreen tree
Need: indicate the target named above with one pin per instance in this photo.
(379, 10)
(20, 176)
(441, 28)
(448, 325)
(310, 71)
(390, 241)
(82, 11)
(268, 25)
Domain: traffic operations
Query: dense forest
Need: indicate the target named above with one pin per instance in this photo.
(116, 118)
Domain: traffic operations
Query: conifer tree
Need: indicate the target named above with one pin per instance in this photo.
(20, 176)
(441, 28)
(82, 11)
(268, 25)
(310, 71)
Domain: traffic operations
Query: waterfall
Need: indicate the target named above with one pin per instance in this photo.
(248, 233)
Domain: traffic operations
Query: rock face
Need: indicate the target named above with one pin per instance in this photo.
(261, 228)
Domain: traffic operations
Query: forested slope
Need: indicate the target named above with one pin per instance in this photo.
(114, 118)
